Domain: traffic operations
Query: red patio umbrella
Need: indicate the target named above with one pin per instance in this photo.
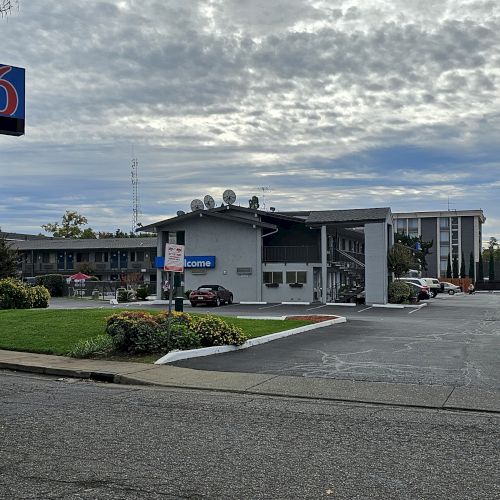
(79, 276)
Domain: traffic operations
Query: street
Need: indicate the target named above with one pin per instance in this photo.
(77, 439)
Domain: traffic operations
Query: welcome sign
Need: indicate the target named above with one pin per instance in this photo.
(191, 262)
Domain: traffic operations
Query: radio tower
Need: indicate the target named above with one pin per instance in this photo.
(135, 194)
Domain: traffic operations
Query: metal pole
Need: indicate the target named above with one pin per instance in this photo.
(170, 295)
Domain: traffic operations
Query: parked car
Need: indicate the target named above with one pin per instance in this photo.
(422, 292)
(425, 282)
(450, 288)
(211, 294)
(434, 285)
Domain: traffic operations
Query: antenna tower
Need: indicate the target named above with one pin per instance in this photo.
(135, 193)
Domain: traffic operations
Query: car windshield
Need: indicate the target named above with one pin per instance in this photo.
(206, 288)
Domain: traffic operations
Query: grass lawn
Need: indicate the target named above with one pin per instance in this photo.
(56, 331)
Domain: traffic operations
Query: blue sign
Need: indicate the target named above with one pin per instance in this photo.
(12, 91)
(11, 100)
(192, 262)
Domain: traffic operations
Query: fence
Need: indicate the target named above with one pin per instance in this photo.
(102, 290)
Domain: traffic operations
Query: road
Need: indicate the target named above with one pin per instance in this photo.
(454, 340)
(69, 439)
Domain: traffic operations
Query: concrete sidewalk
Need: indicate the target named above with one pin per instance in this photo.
(423, 396)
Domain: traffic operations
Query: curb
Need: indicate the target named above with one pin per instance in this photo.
(209, 351)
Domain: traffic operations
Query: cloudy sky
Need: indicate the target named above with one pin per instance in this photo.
(314, 104)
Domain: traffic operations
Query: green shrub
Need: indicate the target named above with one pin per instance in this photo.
(142, 293)
(182, 338)
(215, 331)
(14, 294)
(124, 295)
(97, 346)
(53, 282)
(135, 332)
(186, 293)
(39, 296)
(399, 291)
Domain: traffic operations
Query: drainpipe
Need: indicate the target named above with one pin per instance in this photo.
(324, 264)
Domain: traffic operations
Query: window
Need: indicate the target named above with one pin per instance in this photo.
(401, 226)
(444, 237)
(101, 256)
(296, 276)
(444, 222)
(137, 256)
(82, 257)
(45, 257)
(273, 277)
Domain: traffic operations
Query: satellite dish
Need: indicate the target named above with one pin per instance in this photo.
(209, 201)
(180, 212)
(228, 196)
(196, 205)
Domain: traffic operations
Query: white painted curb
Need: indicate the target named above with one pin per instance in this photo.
(208, 351)
(389, 306)
(280, 318)
(250, 303)
(296, 303)
(343, 304)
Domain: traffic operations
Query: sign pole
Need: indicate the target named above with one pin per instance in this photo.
(174, 262)
(170, 295)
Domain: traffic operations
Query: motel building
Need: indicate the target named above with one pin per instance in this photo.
(309, 256)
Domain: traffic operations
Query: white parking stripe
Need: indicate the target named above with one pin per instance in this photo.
(365, 309)
(415, 310)
(269, 307)
(317, 307)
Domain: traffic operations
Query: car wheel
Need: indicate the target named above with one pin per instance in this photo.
(433, 294)
(451, 292)
(193, 304)
(217, 302)
(230, 301)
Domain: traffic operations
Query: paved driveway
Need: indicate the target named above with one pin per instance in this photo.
(453, 341)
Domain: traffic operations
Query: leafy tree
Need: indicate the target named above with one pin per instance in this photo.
(70, 227)
(471, 266)
(7, 6)
(8, 258)
(480, 270)
(399, 259)
(85, 268)
(455, 267)
(420, 249)
(463, 274)
(253, 203)
(448, 268)
(491, 268)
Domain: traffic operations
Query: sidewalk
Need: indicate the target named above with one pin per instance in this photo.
(421, 396)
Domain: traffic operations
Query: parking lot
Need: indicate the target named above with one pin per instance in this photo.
(454, 340)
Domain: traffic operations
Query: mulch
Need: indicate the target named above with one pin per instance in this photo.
(313, 317)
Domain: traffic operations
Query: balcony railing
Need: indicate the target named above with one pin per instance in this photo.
(291, 254)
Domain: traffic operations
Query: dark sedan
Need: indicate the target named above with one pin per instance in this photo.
(211, 294)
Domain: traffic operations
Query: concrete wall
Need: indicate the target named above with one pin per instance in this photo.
(284, 292)
(376, 273)
(233, 244)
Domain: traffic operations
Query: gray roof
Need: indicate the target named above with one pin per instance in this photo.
(357, 215)
(84, 244)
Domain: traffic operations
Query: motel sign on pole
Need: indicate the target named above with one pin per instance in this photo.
(11, 100)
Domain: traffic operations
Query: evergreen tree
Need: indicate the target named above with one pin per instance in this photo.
(455, 267)
(448, 268)
(463, 274)
(491, 268)
(471, 266)
(480, 271)
(8, 258)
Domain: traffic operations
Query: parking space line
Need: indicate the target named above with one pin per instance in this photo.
(415, 310)
(365, 309)
(269, 307)
(317, 307)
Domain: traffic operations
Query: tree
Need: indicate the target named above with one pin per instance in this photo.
(420, 249)
(8, 258)
(70, 227)
(448, 268)
(455, 267)
(399, 260)
(491, 268)
(7, 6)
(463, 274)
(471, 266)
(253, 203)
(480, 270)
